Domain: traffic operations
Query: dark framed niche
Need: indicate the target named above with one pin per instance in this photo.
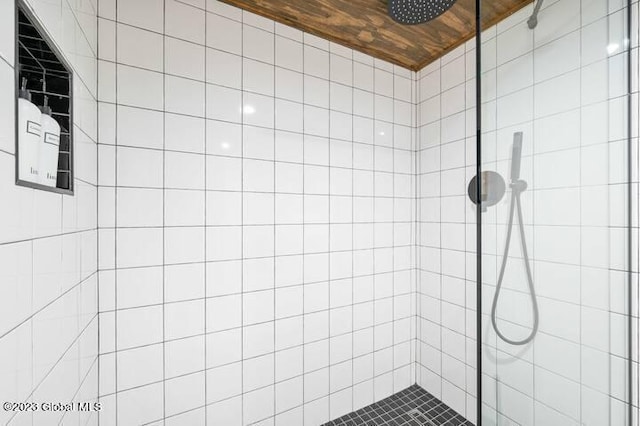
(48, 75)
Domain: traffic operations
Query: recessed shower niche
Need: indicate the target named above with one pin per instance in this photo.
(44, 135)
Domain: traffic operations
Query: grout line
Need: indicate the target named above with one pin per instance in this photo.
(75, 340)
(277, 67)
(304, 253)
(373, 234)
(466, 249)
(115, 224)
(257, 126)
(178, 301)
(242, 209)
(46, 305)
(43, 237)
(6, 61)
(254, 357)
(415, 260)
(263, 419)
(440, 297)
(353, 81)
(222, 191)
(275, 227)
(204, 230)
(164, 199)
(329, 246)
(393, 241)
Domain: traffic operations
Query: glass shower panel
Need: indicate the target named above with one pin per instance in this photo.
(554, 222)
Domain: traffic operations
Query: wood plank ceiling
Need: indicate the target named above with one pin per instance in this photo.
(364, 25)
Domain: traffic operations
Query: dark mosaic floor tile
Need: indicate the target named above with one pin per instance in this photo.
(412, 406)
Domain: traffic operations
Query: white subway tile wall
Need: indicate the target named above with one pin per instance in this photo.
(48, 242)
(257, 231)
(561, 86)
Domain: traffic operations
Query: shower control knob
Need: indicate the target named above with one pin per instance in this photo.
(492, 188)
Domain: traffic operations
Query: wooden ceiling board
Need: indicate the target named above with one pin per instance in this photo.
(365, 26)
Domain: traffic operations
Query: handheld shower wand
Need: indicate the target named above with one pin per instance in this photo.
(518, 186)
(516, 156)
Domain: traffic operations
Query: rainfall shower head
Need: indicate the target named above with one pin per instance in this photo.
(412, 12)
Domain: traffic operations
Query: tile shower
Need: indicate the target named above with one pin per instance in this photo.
(270, 228)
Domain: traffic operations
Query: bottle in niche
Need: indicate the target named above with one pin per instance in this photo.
(49, 146)
(29, 134)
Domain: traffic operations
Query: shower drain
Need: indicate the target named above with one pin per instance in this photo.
(420, 417)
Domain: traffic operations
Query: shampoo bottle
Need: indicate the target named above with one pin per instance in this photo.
(49, 147)
(29, 134)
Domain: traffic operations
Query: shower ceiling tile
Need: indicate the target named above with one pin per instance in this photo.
(365, 26)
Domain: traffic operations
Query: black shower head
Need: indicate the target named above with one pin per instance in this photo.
(413, 12)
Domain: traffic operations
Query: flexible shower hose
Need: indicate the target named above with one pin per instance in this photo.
(517, 188)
